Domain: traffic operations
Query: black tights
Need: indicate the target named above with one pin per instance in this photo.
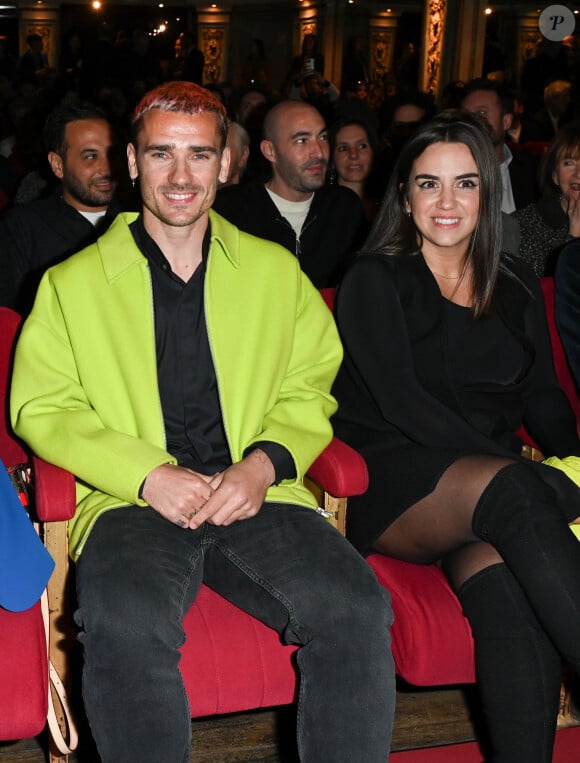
(525, 612)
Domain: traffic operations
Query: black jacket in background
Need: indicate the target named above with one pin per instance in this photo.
(567, 284)
(523, 171)
(35, 236)
(334, 228)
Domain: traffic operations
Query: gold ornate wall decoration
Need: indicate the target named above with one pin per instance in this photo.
(381, 54)
(436, 12)
(46, 32)
(213, 47)
(308, 28)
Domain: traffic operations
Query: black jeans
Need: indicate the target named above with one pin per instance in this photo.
(139, 574)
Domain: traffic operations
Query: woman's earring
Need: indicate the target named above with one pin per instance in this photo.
(133, 181)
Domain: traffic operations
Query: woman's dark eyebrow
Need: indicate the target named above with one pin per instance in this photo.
(426, 176)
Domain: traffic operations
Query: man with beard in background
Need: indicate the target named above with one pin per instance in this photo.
(82, 152)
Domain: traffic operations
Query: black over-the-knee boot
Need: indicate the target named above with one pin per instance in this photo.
(518, 669)
(518, 514)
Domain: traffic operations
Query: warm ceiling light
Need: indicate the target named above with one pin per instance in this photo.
(488, 11)
(96, 4)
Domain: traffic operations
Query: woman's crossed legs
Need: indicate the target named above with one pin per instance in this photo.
(515, 566)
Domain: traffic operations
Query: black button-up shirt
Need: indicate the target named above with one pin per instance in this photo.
(188, 388)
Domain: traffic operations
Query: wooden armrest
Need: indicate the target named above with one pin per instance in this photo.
(534, 454)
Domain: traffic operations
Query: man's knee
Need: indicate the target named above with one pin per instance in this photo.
(356, 601)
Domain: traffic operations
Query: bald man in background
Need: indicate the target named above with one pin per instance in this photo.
(321, 224)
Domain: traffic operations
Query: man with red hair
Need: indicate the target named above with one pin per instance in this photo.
(181, 369)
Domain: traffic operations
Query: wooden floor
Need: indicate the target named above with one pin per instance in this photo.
(424, 718)
(267, 736)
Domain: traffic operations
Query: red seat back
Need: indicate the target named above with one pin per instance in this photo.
(23, 659)
(560, 362)
(11, 452)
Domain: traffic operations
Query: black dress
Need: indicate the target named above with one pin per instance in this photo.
(422, 383)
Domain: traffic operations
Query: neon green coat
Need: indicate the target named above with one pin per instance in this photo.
(84, 392)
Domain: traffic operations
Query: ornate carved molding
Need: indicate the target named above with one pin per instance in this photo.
(435, 15)
(213, 46)
(381, 52)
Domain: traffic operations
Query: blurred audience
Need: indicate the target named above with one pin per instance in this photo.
(549, 222)
(256, 69)
(191, 59)
(400, 117)
(309, 61)
(355, 67)
(549, 63)
(494, 103)
(544, 123)
(238, 142)
(33, 63)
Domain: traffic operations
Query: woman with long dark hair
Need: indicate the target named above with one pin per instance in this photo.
(447, 353)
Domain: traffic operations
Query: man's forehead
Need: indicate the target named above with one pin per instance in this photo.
(177, 126)
(300, 121)
(253, 99)
(484, 98)
(84, 131)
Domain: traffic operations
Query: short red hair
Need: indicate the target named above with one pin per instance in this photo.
(184, 98)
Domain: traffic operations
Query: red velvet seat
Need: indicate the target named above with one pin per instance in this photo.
(23, 657)
(432, 642)
(233, 662)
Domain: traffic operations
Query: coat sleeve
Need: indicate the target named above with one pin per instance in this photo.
(299, 418)
(52, 411)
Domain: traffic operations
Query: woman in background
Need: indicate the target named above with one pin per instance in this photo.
(352, 149)
(548, 223)
(447, 353)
